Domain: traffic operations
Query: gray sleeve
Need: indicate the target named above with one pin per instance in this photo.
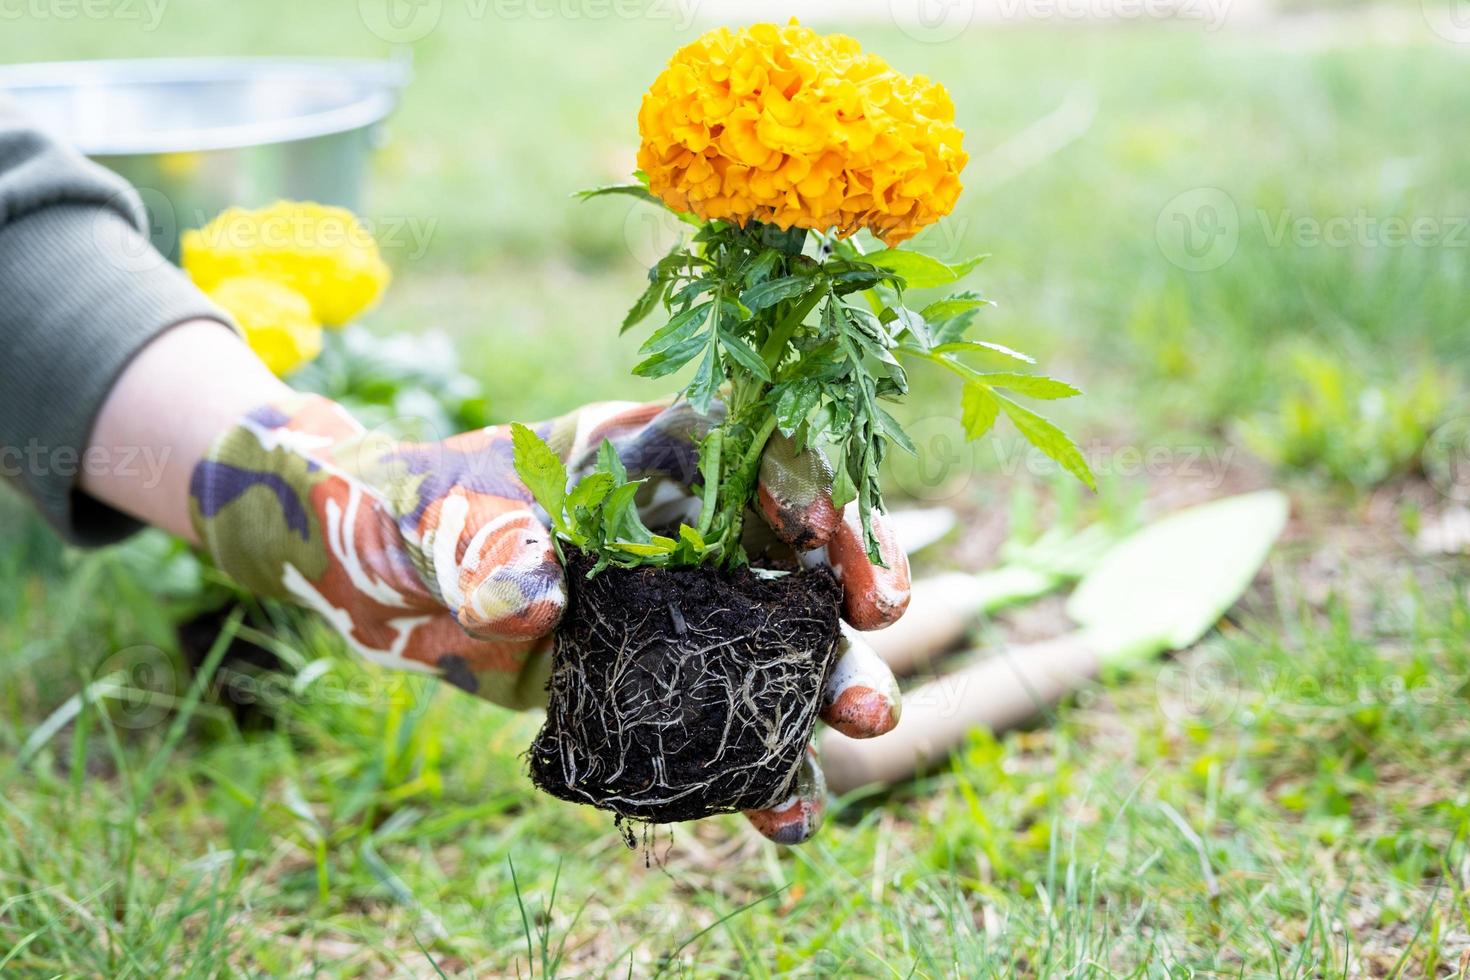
(81, 292)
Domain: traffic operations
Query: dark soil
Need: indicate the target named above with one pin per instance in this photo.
(678, 693)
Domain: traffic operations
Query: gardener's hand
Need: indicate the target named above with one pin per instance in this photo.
(429, 555)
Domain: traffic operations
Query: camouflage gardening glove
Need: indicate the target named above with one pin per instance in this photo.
(430, 556)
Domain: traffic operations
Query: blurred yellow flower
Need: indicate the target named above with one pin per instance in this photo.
(784, 125)
(277, 320)
(323, 253)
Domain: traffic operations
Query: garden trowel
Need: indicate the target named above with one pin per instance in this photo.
(1159, 589)
(944, 606)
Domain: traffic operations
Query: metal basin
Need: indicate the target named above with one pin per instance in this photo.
(197, 135)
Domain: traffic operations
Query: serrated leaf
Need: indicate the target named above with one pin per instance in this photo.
(679, 328)
(844, 491)
(632, 190)
(920, 271)
(590, 491)
(953, 306)
(890, 427)
(692, 290)
(794, 402)
(540, 469)
(650, 299)
(913, 324)
(983, 347)
(745, 355)
(1042, 433)
(857, 279)
(978, 410)
(672, 359)
(1031, 385)
(706, 382)
(760, 268)
(774, 291)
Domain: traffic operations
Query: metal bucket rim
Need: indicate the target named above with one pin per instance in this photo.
(365, 110)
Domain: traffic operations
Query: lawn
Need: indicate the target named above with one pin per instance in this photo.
(1210, 232)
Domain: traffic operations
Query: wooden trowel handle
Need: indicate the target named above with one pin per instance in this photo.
(999, 692)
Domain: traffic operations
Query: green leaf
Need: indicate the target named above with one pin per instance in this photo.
(632, 190)
(691, 548)
(650, 299)
(773, 291)
(745, 355)
(921, 271)
(953, 306)
(978, 410)
(1042, 433)
(910, 323)
(794, 402)
(859, 278)
(692, 290)
(789, 241)
(679, 328)
(540, 470)
(642, 193)
(620, 514)
(760, 268)
(590, 491)
(608, 461)
(671, 359)
(844, 491)
(706, 382)
(890, 427)
(983, 347)
(659, 545)
(1032, 385)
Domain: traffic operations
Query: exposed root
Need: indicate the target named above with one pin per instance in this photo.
(680, 693)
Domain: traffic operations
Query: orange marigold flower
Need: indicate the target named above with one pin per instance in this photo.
(795, 128)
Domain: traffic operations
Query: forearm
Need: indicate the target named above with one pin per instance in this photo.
(81, 294)
(170, 404)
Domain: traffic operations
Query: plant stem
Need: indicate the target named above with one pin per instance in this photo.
(775, 346)
(737, 488)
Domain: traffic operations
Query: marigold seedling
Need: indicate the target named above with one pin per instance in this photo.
(777, 146)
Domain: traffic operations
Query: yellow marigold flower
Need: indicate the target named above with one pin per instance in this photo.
(277, 320)
(324, 253)
(784, 125)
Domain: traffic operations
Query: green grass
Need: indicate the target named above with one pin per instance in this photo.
(1288, 800)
